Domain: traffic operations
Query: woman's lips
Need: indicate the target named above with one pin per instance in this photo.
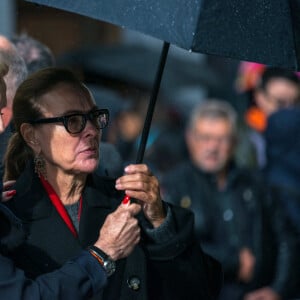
(89, 151)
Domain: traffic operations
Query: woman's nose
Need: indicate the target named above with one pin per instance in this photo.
(90, 127)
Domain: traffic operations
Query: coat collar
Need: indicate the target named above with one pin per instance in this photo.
(32, 201)
(33, 206)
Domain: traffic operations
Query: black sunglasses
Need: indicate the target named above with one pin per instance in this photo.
(75, 123)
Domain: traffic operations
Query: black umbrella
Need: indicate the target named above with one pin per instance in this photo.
(264, 31)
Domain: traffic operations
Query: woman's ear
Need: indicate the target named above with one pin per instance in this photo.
(28, 134)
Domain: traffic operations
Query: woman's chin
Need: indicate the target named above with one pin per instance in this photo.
(88, 166)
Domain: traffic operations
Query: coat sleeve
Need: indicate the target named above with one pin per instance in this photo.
(178, 268)
(77, 279)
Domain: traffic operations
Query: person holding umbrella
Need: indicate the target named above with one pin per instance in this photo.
(52, 155)
(81, 277)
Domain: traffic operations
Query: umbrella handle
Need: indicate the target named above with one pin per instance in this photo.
(150, 110)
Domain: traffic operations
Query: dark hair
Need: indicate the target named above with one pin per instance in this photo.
(27, 106)
(35, 54)
(271, 73)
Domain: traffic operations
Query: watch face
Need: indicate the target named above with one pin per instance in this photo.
(110, 267)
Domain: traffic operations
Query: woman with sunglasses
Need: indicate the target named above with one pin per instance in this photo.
(63, 203)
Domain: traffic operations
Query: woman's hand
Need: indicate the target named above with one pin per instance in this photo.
(120, 231)
(7, 194)
(139, 183)
(265, 293)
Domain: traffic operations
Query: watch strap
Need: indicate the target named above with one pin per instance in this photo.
(99, 252)
(104, 260)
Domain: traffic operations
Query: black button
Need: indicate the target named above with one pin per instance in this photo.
(134, 283)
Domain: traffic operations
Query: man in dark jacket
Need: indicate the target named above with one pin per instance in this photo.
(236, 220)
(282, 171)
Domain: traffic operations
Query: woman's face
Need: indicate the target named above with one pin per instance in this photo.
(62, 151)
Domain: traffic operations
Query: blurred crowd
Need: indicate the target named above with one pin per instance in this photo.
(235, 166)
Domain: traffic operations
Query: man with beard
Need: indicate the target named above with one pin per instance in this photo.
(236, 219)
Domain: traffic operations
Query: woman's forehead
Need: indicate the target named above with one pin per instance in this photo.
(64, 97)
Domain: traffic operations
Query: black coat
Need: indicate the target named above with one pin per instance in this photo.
(243, 215)
(175, 269)
(282, 171)
(80, 277)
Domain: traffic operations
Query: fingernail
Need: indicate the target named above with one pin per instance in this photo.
(11, 193)
(126, 199)
(7, 187)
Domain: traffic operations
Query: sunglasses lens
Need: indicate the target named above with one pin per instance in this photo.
(100, 119)
(75, 123)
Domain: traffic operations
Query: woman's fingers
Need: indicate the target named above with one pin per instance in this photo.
(8, 184)
(8, 195)
(139, 183)
(120, 231)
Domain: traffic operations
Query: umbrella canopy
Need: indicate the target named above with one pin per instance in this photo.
(127, 63)
(264, 31)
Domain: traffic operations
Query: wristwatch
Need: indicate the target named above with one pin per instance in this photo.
(107, 263)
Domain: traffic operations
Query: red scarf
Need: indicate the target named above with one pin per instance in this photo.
(60, 207)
